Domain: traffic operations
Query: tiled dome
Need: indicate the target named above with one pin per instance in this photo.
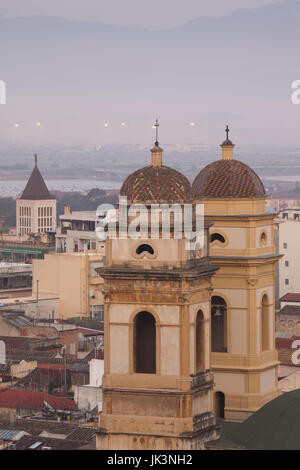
(157, 185)
(228, 178)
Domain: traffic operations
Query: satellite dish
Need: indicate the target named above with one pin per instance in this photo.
(2, 353)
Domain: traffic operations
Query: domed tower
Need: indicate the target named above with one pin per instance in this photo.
(157, 385)
(243, 355)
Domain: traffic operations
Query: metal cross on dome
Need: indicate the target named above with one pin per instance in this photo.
(227, 132)
(156, 125)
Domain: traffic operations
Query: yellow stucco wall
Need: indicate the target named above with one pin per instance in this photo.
(67, 276)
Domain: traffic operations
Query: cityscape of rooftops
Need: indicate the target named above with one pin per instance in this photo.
(149, 219)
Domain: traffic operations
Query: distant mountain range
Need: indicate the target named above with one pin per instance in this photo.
(74, 76)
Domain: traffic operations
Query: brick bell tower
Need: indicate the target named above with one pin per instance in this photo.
(157, 385)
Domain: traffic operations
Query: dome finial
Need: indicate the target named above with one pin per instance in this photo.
(156, 125)
(227, 132)
(227, 146)
(35, 159)
(156, 151)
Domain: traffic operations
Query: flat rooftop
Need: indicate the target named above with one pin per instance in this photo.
(80, 215)
(14, 267)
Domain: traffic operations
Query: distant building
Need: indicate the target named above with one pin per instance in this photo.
(72, 278)
(15, 279)
(36, 208)
(283, 200)
(288, 227)
(24, 402)
(45, 308)
(288, 320)
(76, 231)
(88, 397)
(24, 249)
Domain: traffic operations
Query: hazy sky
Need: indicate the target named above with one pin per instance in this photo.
(141, 13)
(91, 83)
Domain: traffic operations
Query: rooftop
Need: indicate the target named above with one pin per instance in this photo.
(37, 443)
(290, 310)
(35, 427)
(36, 188)
(228, 178)
(291, 297)
(80, 215)
(89, 332)
(33, 400)
(9, 434)
(285, 343)
(14, 267)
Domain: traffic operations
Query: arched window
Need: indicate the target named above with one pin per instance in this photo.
(144, 343)
(217, 236)
(200, 342)
(282, 327)
(291, 327)
(265, 324)
(219, 405)
(263, 239)
(144, 248)
(218, 324)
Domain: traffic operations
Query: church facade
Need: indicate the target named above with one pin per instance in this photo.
(189, 334)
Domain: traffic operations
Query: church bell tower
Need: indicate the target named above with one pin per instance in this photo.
(243, 355)
(157, 384)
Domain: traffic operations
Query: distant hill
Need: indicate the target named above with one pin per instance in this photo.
(73, 76)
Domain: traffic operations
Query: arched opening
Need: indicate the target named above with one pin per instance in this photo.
(291, 327)
(200, 342)
(217, 236)
(265, 323)
(282, 327)
(144, 248)
(145, 343)
(263, 238)
(218, 324)
(219, 405)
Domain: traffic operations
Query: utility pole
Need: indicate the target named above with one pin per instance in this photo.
(37, 299)
(37, 291)
(65, 372)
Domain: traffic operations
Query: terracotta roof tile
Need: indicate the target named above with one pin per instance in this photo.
(290, 298)
(157, 184)
(33, 400)
(290, 310)
(228, 178)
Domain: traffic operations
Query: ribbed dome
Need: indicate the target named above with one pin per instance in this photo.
(228, 178)
(157, 184)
